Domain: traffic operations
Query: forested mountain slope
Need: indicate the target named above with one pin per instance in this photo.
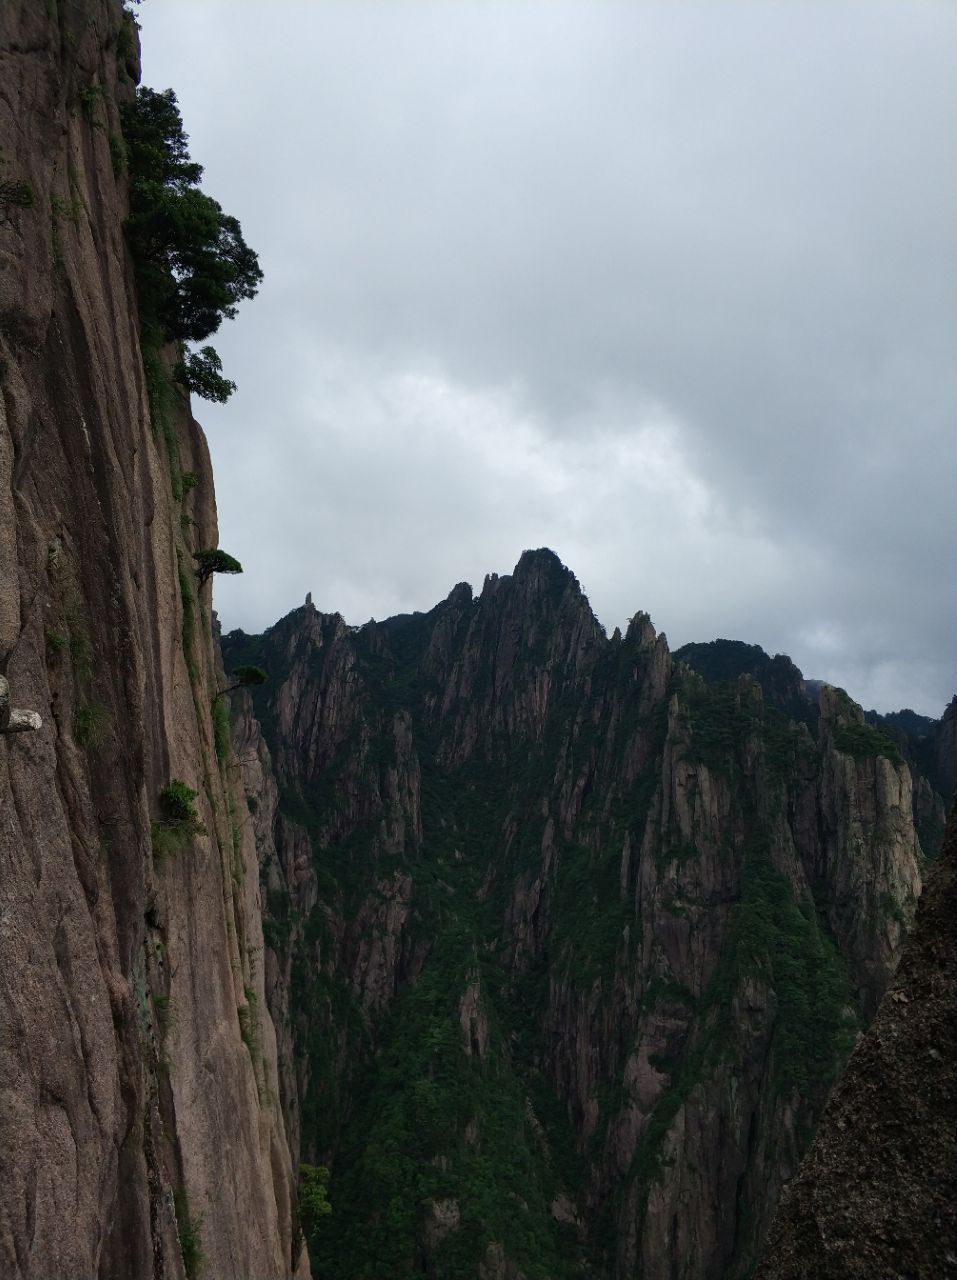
(571, 943)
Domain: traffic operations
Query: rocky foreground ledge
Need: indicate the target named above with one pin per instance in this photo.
(877, 1193)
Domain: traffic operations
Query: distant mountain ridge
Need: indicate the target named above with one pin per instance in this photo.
(929, 746)
(781, 681)
(565, 942)
(908, 721)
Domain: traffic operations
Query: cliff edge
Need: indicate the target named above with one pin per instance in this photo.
(877, 1192)
(139, 1129)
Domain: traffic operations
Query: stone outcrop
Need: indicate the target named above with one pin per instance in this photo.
(139, 1127)
(14, 719)
(877, 1193)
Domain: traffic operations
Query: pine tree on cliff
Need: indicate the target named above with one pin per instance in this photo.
(192, 264)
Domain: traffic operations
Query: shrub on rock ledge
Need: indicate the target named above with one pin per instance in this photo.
(176, 802)
(213, 560)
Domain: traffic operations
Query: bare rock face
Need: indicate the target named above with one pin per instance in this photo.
(139, 1127)
(869, 804)
(559, 923)
(877, 1192)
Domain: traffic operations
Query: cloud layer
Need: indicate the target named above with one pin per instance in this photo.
(670, 289)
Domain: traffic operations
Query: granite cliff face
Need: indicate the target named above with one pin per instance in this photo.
(548, 946)
(139, 1127)
(875, 1195)
(571, 944)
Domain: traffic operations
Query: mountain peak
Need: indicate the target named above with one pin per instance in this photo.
(540, 556)
(542, 569)
(460, 595)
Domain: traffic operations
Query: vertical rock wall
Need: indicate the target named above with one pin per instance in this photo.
(877, 1194)
(139, 1125)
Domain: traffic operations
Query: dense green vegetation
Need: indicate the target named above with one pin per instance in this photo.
(720, 660)
(313, 1196)
(213, 560)
(776, 939)
(177, 802)
(438, 1125)
(193, 266)
(865, 740)
(201, 372)
(720, 716)
(725, 661)
(907, 721)
(178, 821)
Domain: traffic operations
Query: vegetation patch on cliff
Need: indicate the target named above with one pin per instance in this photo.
(778, 940)
(864, 741)
(192, 263)
(440, 1124)
(189, 1235)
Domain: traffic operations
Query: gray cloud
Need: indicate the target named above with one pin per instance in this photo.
(668, 288)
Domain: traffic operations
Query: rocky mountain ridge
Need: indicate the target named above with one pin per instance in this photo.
(929, 746)
(639, 915)
(547, 946)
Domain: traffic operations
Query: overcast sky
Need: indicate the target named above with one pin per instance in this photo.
(670, 288)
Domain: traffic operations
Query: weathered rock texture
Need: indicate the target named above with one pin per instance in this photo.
(571, 943)
(564, 946)
(877, 1193)
(139, 1126)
